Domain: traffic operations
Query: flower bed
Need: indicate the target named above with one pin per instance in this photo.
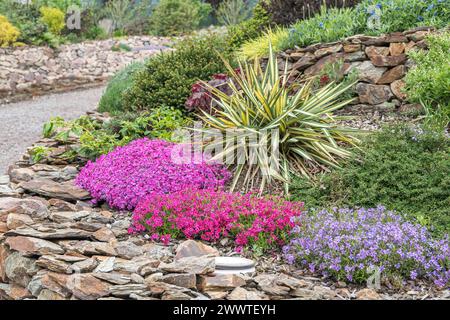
(259, 223)
(128, 174)
(350, 244)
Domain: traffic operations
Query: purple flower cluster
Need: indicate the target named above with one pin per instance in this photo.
(350, 244)
(128, 174)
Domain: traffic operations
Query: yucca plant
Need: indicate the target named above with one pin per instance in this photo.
(298, 122)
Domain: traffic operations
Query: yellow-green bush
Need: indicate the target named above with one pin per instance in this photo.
(53, 18)
(8, 33)
(259, 47)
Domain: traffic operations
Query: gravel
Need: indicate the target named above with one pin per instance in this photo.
(21, 122)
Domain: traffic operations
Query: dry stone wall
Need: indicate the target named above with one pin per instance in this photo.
(28, 71)
(380, 62)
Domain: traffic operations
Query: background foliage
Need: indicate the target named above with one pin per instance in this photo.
(174, 17)
(286, 12)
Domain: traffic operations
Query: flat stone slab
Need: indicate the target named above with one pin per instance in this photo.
(233, 263)
(60, 190)
(4, 179)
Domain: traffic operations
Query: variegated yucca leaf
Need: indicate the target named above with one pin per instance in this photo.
(307, 135)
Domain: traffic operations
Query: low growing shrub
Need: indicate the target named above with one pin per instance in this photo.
(159, 123)
(27, 19)
(351, 244)
(256, 223)
(112, 100)
(130, 173)
(167, 78)
(260, 47)
(402, 168)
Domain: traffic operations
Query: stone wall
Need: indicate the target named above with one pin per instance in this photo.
(380, 62)
(28, 71)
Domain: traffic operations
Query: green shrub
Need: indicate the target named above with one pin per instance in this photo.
(174, 17)
(249, 29)
(112, 100)
(95, 33)
(260, 47)
(167, 78)
(160, 123)
(404, 169)
(428, 82)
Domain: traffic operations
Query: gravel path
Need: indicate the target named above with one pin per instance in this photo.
(21, 123)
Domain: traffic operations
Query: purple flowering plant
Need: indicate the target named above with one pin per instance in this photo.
(128, 174)
(347, 244)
